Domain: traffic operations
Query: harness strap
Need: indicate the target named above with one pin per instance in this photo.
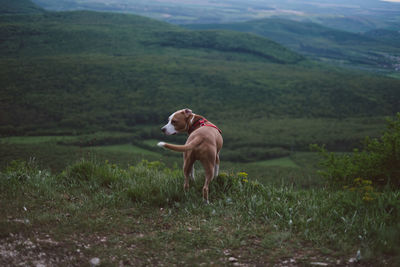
(203, 122)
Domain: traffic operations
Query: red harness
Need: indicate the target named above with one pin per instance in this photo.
(202, 122)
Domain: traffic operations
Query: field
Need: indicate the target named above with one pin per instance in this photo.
(273, 148)
(139, 215)
(76, 201)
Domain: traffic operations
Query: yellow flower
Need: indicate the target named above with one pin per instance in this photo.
(367, 198)
(245, 180)
(223, 175)
(357, 180)
(242, 175)
(367, 182)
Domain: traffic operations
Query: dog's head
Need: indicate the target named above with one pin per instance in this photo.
(178, 122)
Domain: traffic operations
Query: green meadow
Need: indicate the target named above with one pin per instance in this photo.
(140, 215)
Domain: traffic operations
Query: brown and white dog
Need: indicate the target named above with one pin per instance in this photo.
(203, 144)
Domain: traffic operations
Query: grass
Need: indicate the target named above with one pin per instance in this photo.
(35, 139)
(56, 157)
(125, 148)
(281, 162)
(140, 215)
(56, 152)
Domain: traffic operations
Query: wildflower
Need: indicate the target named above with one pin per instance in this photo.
(367, 198)
(367, 182)
(245, 180)
(357, 180)
(223, 175)
(368, 188)
(242, 175)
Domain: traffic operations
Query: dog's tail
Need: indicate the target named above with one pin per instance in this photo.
(181, 148)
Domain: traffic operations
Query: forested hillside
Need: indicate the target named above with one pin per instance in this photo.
(86, 70)
(376, 50)
(82, 72)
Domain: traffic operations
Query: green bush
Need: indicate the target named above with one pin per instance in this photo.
(105, 175)
(22, 171)
(378, 161)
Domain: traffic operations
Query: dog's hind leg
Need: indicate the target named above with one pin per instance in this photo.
(192, 174)
(216, 167)
(209, 174)
(188, 169)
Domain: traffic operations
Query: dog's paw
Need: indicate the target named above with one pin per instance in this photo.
(161, 144)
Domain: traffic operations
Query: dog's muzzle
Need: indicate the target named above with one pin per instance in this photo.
(166, 131)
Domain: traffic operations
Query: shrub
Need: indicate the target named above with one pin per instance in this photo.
(378, 161)
(22, 171)
(89, 171)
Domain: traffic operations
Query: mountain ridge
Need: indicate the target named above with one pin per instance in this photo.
(19, 7)
(355, 50)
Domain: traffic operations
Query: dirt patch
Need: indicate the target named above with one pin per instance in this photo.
(37, 250)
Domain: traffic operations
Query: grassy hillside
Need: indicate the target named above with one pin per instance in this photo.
(85, 70)
(371, 51)
(140, 216)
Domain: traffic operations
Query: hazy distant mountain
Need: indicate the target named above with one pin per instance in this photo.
(18, 6)
(353, 15)
(375, 50)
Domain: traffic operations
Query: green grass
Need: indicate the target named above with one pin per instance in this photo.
(77, 140)
(140, 215)
(36, 139)
(58, 151)
(126, 148)
(280, 162)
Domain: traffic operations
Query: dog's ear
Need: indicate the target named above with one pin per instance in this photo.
(187, 112)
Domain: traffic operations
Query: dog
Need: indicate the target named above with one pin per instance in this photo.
(203, 144)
